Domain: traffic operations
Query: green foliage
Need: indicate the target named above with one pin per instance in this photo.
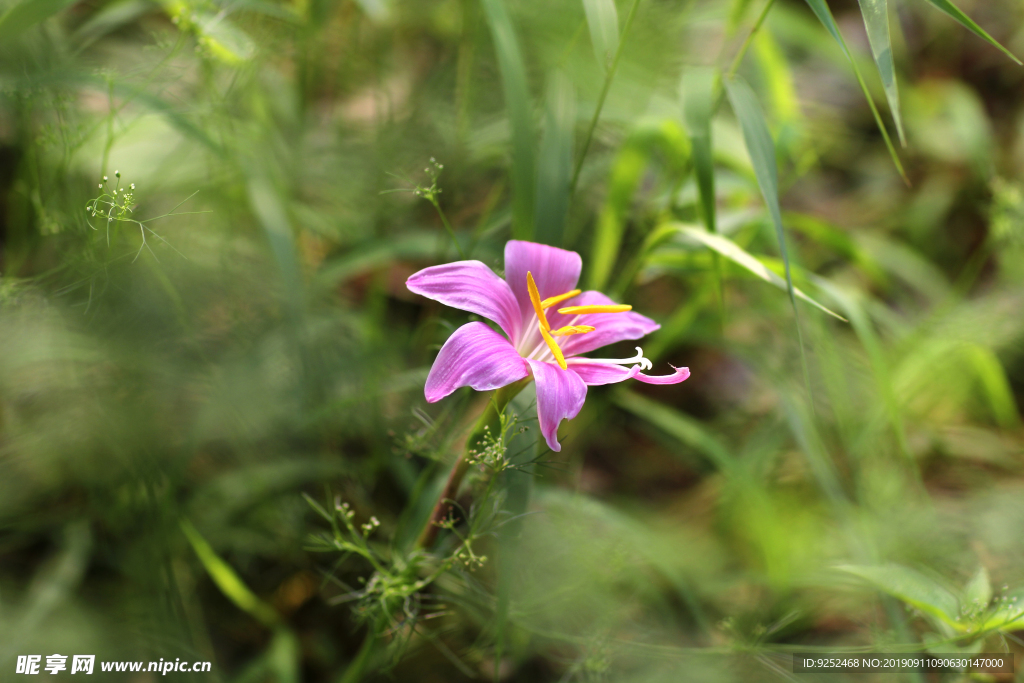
(214, 443)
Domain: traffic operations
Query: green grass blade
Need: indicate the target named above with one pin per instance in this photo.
(603, 23)
(697, 89)
(698, 92)
(27, 14)
(761, 147)
(270, 210)
(824, 14)
(739, 256)
(229, 583)
(520, 117)
(629, 166)
(681, 426)
(968, 23)
(995, 385)
(554, 168)
(865, 332)
(876, 21)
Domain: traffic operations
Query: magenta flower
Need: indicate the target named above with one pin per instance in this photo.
(540, 342)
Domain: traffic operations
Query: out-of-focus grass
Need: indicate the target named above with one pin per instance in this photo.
(262, 344)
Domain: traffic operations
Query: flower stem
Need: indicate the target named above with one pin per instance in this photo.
(447, 226)
(495, 406)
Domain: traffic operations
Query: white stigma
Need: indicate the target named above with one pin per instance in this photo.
(644, 363)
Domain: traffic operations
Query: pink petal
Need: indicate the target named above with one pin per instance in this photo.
(611, 327)
(596, 374)
(560, 395)
(470, 286)
(475, 356)
(680, 374)
(556, 271)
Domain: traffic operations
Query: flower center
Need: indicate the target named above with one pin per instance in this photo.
(545, 327)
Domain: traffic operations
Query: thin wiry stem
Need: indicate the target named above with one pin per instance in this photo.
(448, 227)
(601, 98)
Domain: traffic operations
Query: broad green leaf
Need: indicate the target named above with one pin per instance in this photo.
(697, 90)
(520, 114)
(229, 583)
(995, 384)
(736, 254)
(876, 21)
(978, 591)
(554, 167)
(912, 588)
(213, 31)
(603, 23)
(824, 14)
(1007, 614)
(968, 23)
(27, 14)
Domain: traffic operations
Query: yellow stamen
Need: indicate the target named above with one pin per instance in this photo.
(581, 310)
(554, 348)
(572, 329)
(552, 300)
(535, 300)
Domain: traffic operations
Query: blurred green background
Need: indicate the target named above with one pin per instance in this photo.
(858, 484)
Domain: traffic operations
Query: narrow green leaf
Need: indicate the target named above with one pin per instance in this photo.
(27, 14)
(626, 173)
(912, 588)
(677, 424)
(233, 588)
(665, 136)
(270, 210)
(697, 90)
(824, 14)
(995, 384)
(865, 331)
(761, 147)
(603, 23)
(517, 103)
(778, 77)
(736, 254)
(968, 23)
(554, 167)
(876, 21)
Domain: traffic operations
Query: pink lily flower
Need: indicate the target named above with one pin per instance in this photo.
(538, 341)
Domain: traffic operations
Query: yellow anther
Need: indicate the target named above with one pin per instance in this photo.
(552, 300)
(535, 300)
(572, 329)
(554, 348)
(581, 310)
